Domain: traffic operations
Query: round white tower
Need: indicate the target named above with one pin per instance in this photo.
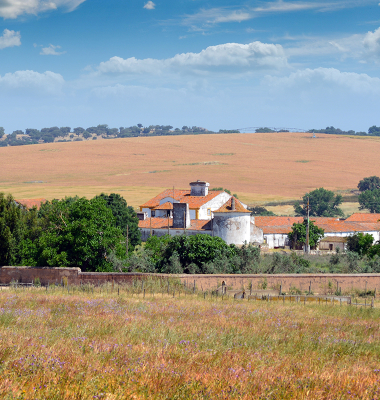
(232, 222)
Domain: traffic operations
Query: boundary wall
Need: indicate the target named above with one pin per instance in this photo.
(320, 283)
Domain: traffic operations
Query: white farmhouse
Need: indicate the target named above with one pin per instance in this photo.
(201, 201)
(217, 213)
(194, 211)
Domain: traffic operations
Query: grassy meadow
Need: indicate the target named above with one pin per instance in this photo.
(57, 344)
(259, 167)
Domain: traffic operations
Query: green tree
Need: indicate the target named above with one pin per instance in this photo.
(10, 230)
(126, 218)
(370, 183)
(297, 236)
(370, 200)
(157, 247)
(65, 130)
(374, 130)
(323, 203)
(79, 233)
(18, 230)
(360, 243)
(258, 210)
(78, 130)
(2, 132)
(374, 251)
(194, 250)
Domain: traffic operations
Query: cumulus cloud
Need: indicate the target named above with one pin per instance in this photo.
(10, 39)
(230, 56)
(51, 51)
(327, 77)
(372, 42)
(45, 83)
(14, 8)
(149, 5)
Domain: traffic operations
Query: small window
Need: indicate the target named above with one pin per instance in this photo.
(209, 212)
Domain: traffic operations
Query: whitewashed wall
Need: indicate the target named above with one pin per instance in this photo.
(233, 228)
(214, 204)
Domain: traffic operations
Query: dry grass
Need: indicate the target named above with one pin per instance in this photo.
(259, 167)
(348, 209)
(56, 345)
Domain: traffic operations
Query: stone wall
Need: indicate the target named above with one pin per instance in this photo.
(319, 282)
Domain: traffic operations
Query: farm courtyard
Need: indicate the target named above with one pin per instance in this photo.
(259, 167)
(76, 344)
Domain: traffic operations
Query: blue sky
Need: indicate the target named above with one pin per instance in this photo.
(217, 64)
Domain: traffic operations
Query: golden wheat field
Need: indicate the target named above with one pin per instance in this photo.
(258, 167)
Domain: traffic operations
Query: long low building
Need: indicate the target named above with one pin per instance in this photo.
(276, 229)
(218, 213)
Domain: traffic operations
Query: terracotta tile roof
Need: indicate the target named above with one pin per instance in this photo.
(283, 225)
(30, 203)
(165, 206)
(273, 224)
(226, 207)
(261, 221)
(348, 226)
(183, 196)
(162, 223)
(361, 217)
(335, 239)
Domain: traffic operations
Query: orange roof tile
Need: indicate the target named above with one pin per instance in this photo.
(30, 203)
(348, 226)
(165, 206)
(364, 217)
(162, 223)
(226, 207)
(283, 225)
(183, 196)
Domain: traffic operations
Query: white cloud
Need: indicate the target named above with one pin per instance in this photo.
(207, 17)
(372, 42)
(230, 56)
(51, 51)
(235, 16)
(46, 83)
(149, 5)
(14, 8)
(10, 39)
(322, 78)
(281, 6)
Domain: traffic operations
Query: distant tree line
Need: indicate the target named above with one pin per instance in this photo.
(330, 130)
(269, 130)
(65, 133)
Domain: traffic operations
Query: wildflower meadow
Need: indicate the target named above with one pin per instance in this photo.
(116, 344)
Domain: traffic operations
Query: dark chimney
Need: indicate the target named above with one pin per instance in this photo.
(233, 206)
(181, 215)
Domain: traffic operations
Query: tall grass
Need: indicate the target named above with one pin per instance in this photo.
(71, 343)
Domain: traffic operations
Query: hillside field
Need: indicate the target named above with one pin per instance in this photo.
(259, 167)
(57, 344)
